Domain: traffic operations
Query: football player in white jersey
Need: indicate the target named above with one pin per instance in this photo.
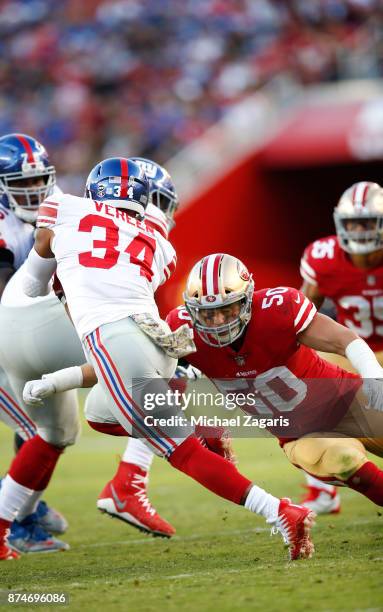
(26, 178)
(21, 322)
(130, 480)
(109, 278)
(132, 504)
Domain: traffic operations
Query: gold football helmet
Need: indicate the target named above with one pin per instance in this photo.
(218, 297)
(358, 218)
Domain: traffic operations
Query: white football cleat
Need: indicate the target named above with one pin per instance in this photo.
(322, 501)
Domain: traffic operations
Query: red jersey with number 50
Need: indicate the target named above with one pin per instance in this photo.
(357, 293)
(109, 263)
(289, 379)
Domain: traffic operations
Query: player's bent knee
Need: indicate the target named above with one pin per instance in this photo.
(306, 452)
(343, 459)
(61, 437)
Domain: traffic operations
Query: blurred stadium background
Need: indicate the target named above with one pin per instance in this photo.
(263, 111)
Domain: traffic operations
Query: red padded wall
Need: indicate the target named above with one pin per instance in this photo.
(262, 214)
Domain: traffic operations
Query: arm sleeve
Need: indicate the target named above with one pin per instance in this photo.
(38, 273)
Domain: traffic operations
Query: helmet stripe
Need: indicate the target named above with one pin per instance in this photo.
(354, 194)
(124, 177)
(217, 261)
(365, 193)
(359, 194)
(209, 275)
(28, 148)
(204, 280)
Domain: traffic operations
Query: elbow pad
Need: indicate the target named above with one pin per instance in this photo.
(38, 273)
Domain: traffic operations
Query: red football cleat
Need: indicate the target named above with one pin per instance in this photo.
(294, 524)
(7, 554)
(322, 501)
(126, 499)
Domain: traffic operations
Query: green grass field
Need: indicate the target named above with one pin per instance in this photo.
(222, 557)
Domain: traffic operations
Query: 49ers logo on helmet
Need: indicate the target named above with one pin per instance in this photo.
(244, 274)
(211, 298)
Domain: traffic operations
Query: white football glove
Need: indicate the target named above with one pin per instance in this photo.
(373, 390)
(36, 390)
(187, 372)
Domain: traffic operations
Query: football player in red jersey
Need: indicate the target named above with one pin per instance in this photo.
(348, 269)
(269, 337)
(148, 355)
(264, 342)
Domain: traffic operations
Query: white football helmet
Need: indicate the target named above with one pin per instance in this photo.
(218, 297)
(358, 218)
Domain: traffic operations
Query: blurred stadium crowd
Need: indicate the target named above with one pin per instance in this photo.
(145, 77)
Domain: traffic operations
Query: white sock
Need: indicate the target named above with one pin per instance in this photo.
(138, 453)
(13, 496)
(319, 484)
(30, 506)
(262, 503)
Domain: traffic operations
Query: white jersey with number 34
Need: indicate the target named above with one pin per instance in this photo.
(109, 263)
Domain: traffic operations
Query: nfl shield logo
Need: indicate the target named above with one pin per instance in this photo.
(240, 360)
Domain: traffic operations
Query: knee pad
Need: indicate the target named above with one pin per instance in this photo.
(61, 436)
(343, 458)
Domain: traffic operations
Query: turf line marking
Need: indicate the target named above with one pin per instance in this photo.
(218, 534)
(228, 532)
(150, 540)
(144, 578)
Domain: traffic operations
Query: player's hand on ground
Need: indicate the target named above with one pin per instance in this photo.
(36, 390)
(218, 440)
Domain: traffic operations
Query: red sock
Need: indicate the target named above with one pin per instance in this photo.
(33, 465)
(4, 526)
(210, 470)
(368, 480)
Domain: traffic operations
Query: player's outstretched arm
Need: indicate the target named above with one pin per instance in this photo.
(56, 382)
(324, 334)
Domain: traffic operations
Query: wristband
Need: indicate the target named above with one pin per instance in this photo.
(362, 358)
(66, 379)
